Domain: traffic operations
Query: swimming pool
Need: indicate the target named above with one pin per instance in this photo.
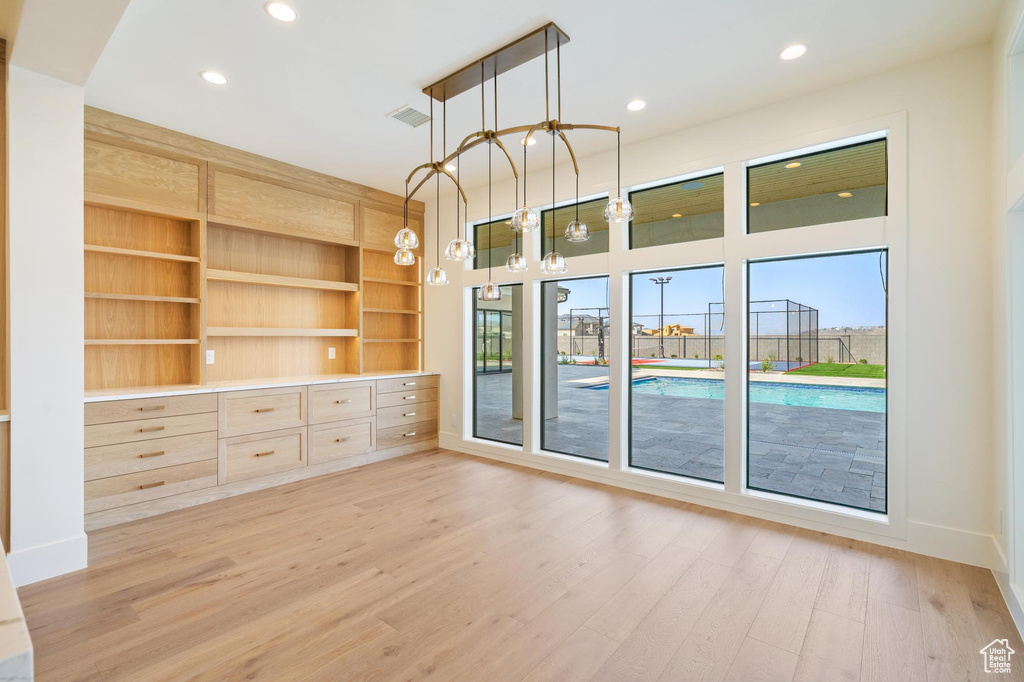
(771, 393)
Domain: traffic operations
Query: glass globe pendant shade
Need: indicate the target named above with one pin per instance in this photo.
(618, 210)
(577, 231)
(459, 250)
(437, 277)
(405, 257)
(406, 239)
(553, 264)
(525, 219)
(490, 292)
(516, 263)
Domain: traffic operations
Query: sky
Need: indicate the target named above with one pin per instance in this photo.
(846, 289)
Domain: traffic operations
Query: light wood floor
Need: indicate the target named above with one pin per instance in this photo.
(447, 567)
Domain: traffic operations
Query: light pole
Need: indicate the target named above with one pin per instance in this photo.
(661, 282)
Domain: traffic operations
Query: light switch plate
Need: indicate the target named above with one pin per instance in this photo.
(330, 353)
(209, 357)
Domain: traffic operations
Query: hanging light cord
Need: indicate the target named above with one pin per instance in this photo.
(552, 191)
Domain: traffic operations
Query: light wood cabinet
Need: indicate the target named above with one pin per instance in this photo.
(127, 458)
(245, 412)
(335, 402)
(147, 408)
(339, 440)
(148, 429)
(261, 454)
(118, 491)
(147, 455)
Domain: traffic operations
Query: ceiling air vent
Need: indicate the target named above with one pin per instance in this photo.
(409, 116)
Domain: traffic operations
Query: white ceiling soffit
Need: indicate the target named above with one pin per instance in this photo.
(61, 38)
(317, 92)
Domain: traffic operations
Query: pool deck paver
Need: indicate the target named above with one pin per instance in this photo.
(825, 454)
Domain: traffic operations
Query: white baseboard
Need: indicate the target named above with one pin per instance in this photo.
(48, 561)
(976, 549)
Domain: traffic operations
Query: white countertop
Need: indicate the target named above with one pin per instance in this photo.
(221, 386)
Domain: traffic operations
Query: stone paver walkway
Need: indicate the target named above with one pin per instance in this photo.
(823, 454)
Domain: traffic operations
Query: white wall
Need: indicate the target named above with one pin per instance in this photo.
(948, 103)
(47, 321)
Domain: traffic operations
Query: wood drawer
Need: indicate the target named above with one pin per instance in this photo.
(406, 383)
(148, 429)
(127, 458)
(328, 442)
(260, 454)
(118, 491)
(403, 435)
(407, 397)
(406, 414)
(245, 412)
(148, 408)
(336, 402)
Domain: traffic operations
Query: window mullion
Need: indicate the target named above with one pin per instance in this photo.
(735, 327)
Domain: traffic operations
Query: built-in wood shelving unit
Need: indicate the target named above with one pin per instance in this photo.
(277, 305)
(392, 314)
(142, 297)
(192, 247)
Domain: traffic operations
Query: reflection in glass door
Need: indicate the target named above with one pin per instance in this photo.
(494, 341)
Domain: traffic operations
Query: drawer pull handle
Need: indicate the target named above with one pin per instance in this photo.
(151, 408)
(406, 435)
(409, 414)
(264, 454)
(409, 397)
(150, 429)
(265, 409)
(144, 486)
(152, 454)
(343, 402)
(409, 383)
(342, 440)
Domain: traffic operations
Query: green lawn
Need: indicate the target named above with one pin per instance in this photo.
(824, 369)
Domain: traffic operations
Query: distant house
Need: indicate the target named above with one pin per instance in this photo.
(670, 330)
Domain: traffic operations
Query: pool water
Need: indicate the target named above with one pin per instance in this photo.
(770, 393)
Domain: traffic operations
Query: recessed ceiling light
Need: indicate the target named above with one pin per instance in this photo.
(214, 77)
(280, 11)
(755, 203)
(845, 195)
(533, 141)
(636, 105)
(677, 215)
(692, 184)
(508, 222)
(792, 52)
(795, 164)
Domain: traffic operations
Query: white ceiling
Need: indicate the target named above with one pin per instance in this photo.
(315, 92)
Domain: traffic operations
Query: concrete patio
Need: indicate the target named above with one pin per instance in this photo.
(823, 454)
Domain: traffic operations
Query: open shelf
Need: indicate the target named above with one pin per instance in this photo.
(391, 340)
(278, 331)
(278, 280)
(385, 280)
(141, 342)
(143, 318)
(141, 297)
(138, 253)
(391, 311)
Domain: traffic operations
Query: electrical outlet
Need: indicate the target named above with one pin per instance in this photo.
(330, 353)
(209, 357)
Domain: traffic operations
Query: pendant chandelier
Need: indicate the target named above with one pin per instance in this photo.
(525, 218)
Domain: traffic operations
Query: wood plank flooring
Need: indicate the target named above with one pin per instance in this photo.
(442, 566)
